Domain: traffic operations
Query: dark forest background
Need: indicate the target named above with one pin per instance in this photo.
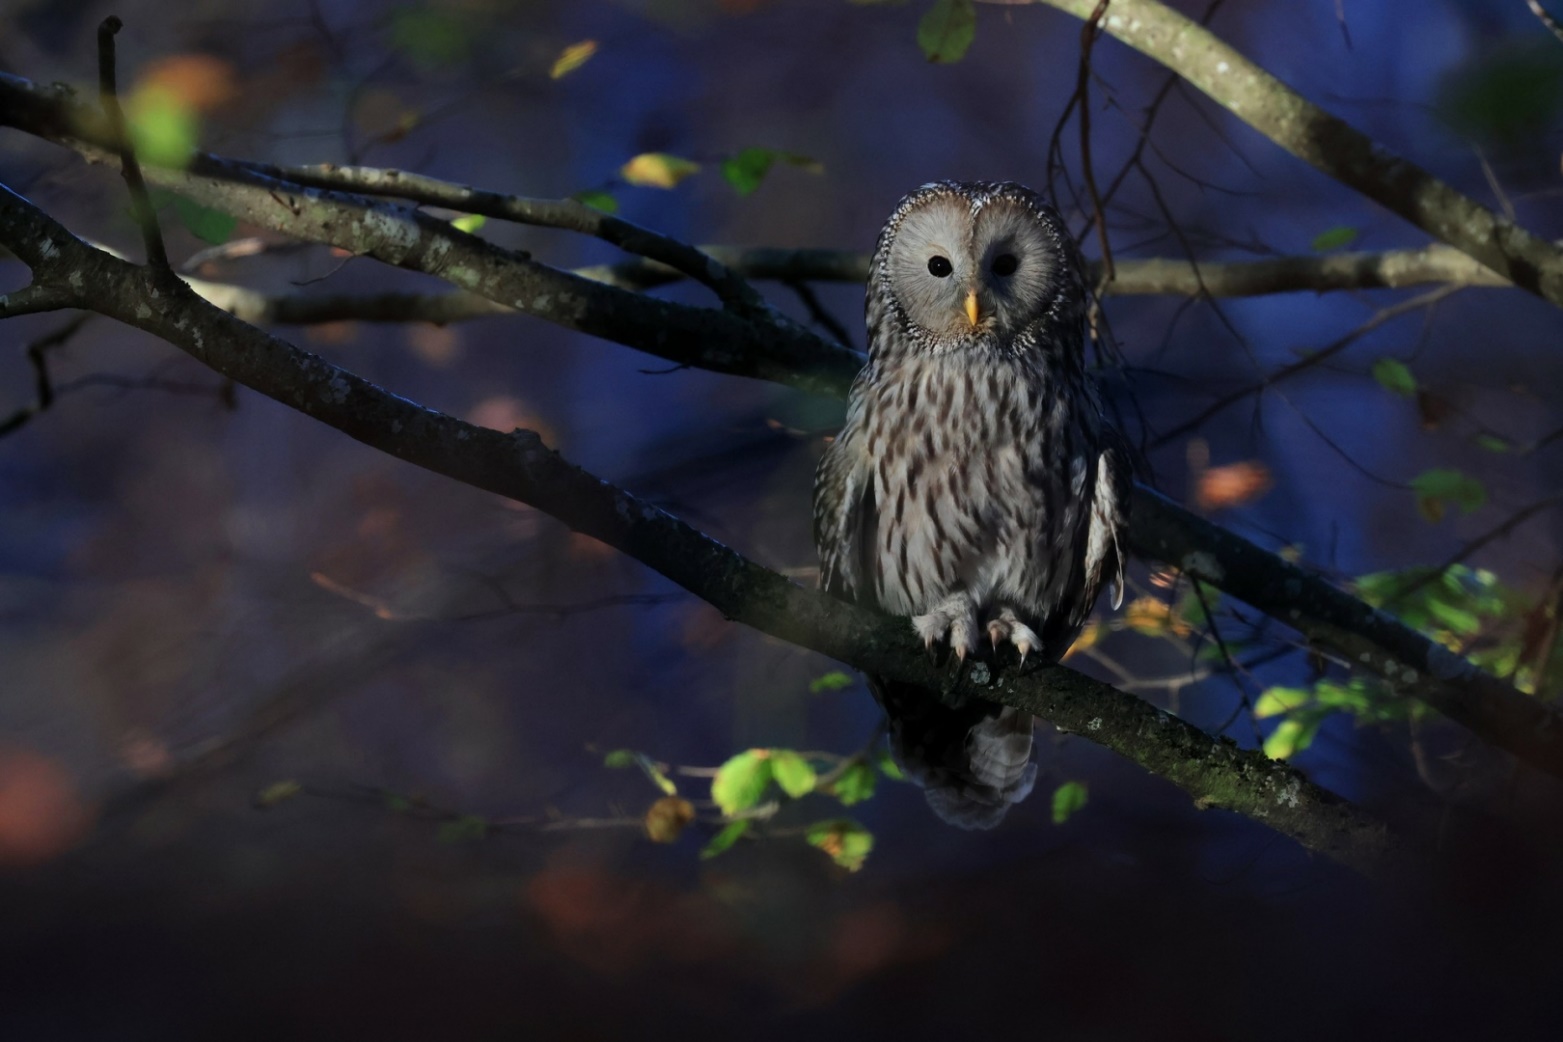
(176, 554)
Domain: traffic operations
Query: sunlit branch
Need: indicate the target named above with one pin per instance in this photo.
(1327, 142)
(1392, 269)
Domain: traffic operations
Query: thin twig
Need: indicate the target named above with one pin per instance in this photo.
(1088, 35)
(140, 200)
(1429, 299)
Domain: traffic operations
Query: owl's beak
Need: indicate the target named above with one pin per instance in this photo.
(971, 306)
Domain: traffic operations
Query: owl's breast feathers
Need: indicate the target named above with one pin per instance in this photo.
(976, 471)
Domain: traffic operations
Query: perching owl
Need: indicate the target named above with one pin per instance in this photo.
(976, 485)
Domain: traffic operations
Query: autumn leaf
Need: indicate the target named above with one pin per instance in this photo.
(277, 792)
(572, 58)
(1232, 485)
(657, 170)
(847, 842)
(1154, 618)
(666, 819)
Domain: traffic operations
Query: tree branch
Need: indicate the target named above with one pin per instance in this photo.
(1328, 143)
(518, 466)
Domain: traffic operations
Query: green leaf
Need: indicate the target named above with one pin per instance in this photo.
(748, 168)
(730, 834)
(276, 793)
(741, 781)
(469, 223)
(163, 128)
(1292, 736)
(397, 804)
(1335, 238)
(832, 681)
(1395, 377)
(855, 785)
(847, 842)
(204, 222)
(1353, 697)
(657, 170)
(947, 30)
(621, 758)
(1455, 618)
(1493, 443)
(1277, 701)
(432, 38)
(888, 767)
(1067, 799)
(464, 829)
(1442, 486)
(792, 772)
(597, 200)
(631, 758)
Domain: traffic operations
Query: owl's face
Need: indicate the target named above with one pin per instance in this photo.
(970, 262)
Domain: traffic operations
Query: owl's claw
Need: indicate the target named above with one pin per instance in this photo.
(997, 631)
(956, 618)
(1009, 627)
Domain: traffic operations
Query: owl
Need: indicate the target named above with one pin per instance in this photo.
(976, 486)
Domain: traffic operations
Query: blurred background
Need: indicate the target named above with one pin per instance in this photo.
(297, 738)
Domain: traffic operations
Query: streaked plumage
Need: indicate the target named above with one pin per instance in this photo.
(976, 485)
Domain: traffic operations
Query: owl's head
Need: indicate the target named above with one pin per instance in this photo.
(971, 262)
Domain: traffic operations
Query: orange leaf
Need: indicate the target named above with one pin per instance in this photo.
(1233, 485)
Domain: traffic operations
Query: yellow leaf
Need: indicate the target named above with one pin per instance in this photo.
(572, 58)
(667, 818)
(657, 170)
(1154, 618)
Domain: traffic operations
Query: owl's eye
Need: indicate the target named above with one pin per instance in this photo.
(940, 267)
(1004, 265)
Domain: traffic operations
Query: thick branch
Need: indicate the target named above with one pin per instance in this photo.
(1364, 636)
(403, 236)
(517, 465)
(1329, 143)
(1389, 269)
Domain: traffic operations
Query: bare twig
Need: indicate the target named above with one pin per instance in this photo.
(1088, 34)
(1313, 359)
(140, 201)
(44, 392)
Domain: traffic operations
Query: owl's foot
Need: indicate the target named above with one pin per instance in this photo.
(1009, 627)
(955, 617)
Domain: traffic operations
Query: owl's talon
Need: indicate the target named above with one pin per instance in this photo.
(997, 631)
(955, 618)
(1009, 627)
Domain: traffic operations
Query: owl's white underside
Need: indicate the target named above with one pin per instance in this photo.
(961, 534)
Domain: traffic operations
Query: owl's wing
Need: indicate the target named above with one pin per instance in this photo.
(845, 518)
(1107, 534)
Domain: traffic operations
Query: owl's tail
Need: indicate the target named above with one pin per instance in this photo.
(972, 760)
